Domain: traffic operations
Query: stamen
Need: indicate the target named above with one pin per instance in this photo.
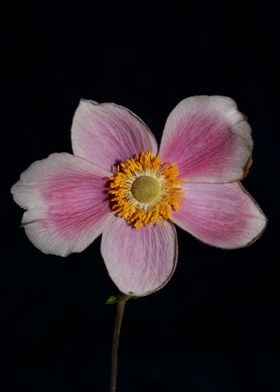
(143, 191)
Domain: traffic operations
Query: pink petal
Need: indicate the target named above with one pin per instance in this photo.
(223, 215)
(209, 139)
(107, 133)
(139, 261)
(65, 202)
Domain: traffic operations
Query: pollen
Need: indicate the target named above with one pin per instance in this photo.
(143, 190)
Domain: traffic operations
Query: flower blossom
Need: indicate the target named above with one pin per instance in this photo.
(119, 184)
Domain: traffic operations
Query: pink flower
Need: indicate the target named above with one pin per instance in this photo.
(117, 184)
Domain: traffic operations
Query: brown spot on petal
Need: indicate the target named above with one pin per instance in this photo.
(245, 117)
(246, 170)
(247, 167)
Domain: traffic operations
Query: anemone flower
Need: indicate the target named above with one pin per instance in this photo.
(119, 184)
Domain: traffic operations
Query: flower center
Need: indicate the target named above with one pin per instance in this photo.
(143, 191)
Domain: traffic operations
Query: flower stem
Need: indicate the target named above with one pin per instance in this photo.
(115, 343)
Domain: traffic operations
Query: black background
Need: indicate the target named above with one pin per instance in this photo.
(215, 326)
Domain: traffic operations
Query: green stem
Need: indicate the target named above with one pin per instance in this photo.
(116, 339)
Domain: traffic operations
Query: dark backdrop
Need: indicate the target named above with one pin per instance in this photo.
(215, 326)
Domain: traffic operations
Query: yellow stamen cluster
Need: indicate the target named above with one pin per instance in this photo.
(142, 190)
